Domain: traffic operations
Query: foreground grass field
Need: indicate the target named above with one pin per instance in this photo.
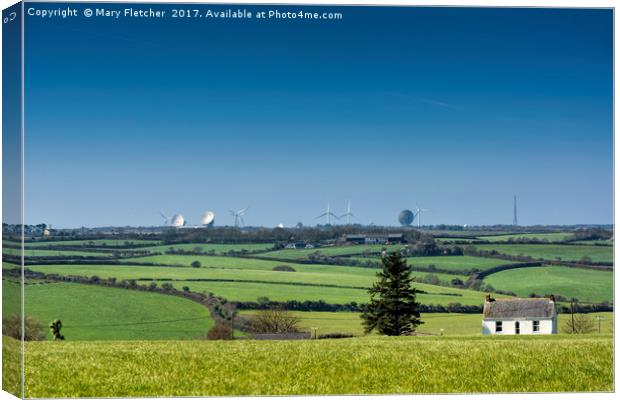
(590, 286)
(368, 365)
(452, 324)
(553, 252)
(100, 313)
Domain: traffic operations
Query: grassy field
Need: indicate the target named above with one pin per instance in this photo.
(89, 243)
(551, 237)
(249, 284)
(99, 313)
(586, 285)
(553, 252)
(301, 254)
(206, 247)
(33, 252)
(450, 263)
(369, 365)
(452, 324)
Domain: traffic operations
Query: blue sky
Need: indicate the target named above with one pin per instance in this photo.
(452, 109)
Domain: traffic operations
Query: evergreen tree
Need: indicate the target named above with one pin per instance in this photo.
(392, 310)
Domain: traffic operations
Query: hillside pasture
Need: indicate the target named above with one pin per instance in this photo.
(368, 365)
(553, 252)
(91, 312)
(450, 263)
(551, 237)
(334, 251)
(330, 283)
(587, 285)
(91, 243)
(207, 247)
(33, 252)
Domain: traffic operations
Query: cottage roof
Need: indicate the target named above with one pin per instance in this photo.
(518, 308)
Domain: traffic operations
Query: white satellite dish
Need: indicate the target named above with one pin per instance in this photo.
(177, 221)
(207, 218)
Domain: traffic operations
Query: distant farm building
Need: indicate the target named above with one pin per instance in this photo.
(300, 245)
(519, 316)
(374, 238)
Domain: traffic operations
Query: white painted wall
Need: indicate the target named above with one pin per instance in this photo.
(547, 326)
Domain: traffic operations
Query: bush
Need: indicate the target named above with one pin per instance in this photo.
(275, 320)
(12, 326)
(196, 264)
(336, 336)
(286, 268)
(220, 332)
(580, 323)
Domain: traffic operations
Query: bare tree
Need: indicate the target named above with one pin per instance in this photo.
(579, 323)
(275, 320)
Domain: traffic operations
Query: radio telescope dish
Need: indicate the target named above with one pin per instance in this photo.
(207, 218)
(177, 221)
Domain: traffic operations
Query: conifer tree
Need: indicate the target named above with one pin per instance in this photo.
(393, 309)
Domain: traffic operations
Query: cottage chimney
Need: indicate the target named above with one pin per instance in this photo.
(489, 298)
(552, 298)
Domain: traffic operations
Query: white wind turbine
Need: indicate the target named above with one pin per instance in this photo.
(348, 214)
(418, 214)
(328, 215)
(239, 216)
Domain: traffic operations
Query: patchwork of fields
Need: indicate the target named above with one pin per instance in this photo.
(114, 334)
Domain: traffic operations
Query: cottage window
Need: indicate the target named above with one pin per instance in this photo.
(517, 328)
(536, 326)
(498, 326)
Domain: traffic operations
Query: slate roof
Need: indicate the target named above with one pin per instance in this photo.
(518, 308)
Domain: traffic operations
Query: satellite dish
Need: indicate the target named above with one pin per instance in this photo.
(207, 218)
(406, 217)
(177, 220)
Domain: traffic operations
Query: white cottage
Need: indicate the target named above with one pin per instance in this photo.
(519, 316)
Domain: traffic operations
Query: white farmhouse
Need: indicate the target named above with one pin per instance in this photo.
(519, 316)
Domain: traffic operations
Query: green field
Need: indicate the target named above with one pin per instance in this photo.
(302, 254)
(450, 263)
(369, 365)
(206, 247)
(551, 237)
(30, 252)
(553, 252)
(91, 312)
(451, 323)
(587, 285)
(248, 284)
(89, 243)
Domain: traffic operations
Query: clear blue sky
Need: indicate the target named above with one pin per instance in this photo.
(452, 109)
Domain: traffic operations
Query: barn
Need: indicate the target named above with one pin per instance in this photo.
(518, 316)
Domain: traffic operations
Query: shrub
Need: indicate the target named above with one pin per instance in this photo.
(196, 264)
(12, 326)
(220, 332)
(336, 335)
(186, 289)
(579, 323)
(286, 268)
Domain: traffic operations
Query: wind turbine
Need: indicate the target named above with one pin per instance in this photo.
(328, 215)
(349, 214)
(418, 214)
(239, 216)
(166, 219)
